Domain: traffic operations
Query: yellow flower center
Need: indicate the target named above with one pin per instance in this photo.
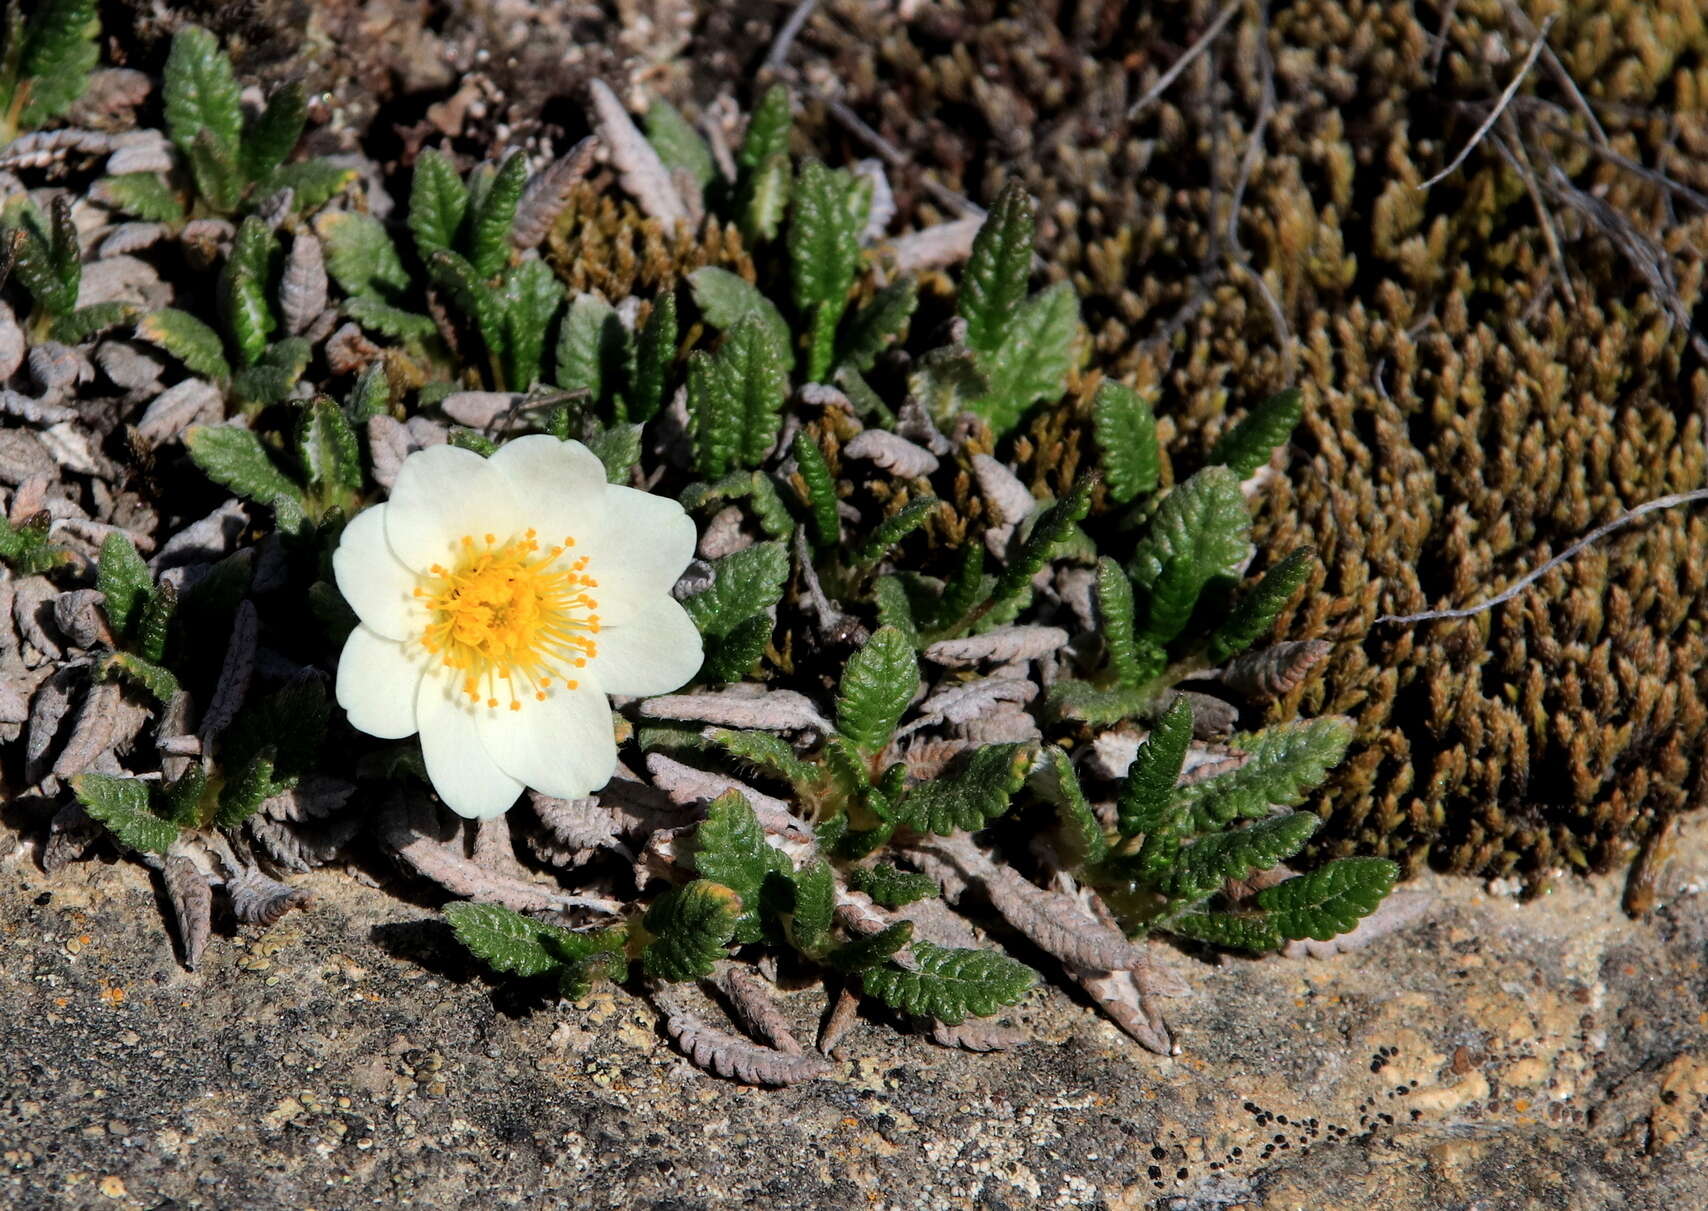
(510, 618)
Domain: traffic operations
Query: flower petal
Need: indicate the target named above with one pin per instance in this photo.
(560, 485)
(562, 747)
(376, 685)
(643, 546)
(467, 779)
(652, 650)
(375, 583)
(443, 493)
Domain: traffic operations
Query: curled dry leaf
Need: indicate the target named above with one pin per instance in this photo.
(730, 1056)
(301, 847)
(349, 350)
(191, 402)
(999, 646)
(42, 148)
(724, 534)
(12, 343)
(302, 287)
(844, 1013)
(94, 732)
(688, 786)
(643, 173)
(57, 368)
(192, 905)
(259, 900)
(978, 1034)
(770, 710)
(235, 673)
(1117, 994)
(893, 453)
(32, 609)
(70, 837)
(22, 458)
(132, 237)
(34, 411)
(80, 618)
(1010, 500)
(391, 441)
(140, 151)
(1275, 671)
(205, 541)
(914, 423)
(129, 364)
(935, 247)
(547, 193)
(1006, 723)
(755, 1008)
(485, 410)
(314, 797)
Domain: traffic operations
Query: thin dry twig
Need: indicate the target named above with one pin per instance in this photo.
(1670, 501)
(778, 57)
(1181, 64)
(1536, 46)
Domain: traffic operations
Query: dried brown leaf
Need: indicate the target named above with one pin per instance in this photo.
(302, 287)
(642, 172)
(193, 401)
(70, 837)
(259, 900)
(729, 1055)
(978, 1034)
(755, 1008)
(1117, 994)
(192, 905)
(688, 786)
(893, 453)
(1000, 646)
(1274, 671)
(770, 710)
(235, 674)
(548, 192)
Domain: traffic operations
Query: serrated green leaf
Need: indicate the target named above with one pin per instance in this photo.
(993, 287)
(438, 202)
(590, 347)
(890, 887)
(313, 183)
(1130, 665)
(889, 532)
(767, 129)
(123, 581)
(1329, 901)
(1253, 931)
(529, 301)
(77, 326)
(735, 398)
(950, 984)
(390, 321)
(1200, 535)
(290, 723)
(730, 848)
(618, 448)
(65, 250)
(1124, 429)
(692, 927)
(829, 212)
(1206, 865)
(868, 950)
(877, 685)
(236, 458)
(201, 91)
(122, 805)
(765, 199)
(969, 796)
(1034, 359)
(820, 500)
(188, 339)
(506, 941)
(143, 195)
(1054, 526)
(1283, 764)
(1256, 611)
(360, 255)
(726, 299)
(143, 673)
(473, 296)
(766, 173)
(947, 380)
(243, 795)
(34, 266)
(655, 355)
(25, 548)
(327, 447)
(1147, 801)
(731, 656)
(181, 802)
(813, 907)
(60, 49)
(881, 319)
(243, 291)
(219, 179)
(492, 213)
(155, 616)
(745, 583)
(273, 375)
(273, 135)
(677, 143)
(1082, 702)
(1248, 445)
(1080, 837)
(895, 607)
(769, 753)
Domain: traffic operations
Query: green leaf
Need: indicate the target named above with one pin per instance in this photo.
(390, 321)
(1033, 360)
(735, 399)
(273, 135)
(504, 940)
(769, 753)
(235, 457)
(183, 799)
(830, 208)
(143, 673)
(877, 685)
(122, 805)
(895, 607)
(1146, 803)
(143, 195)
(590, 347)
(214, 166)
(726, 299)
(1205, 865)
(970, 795)
(890, 887)
(765, 198)
(327, 448)
(313, 183)
(438, 201)
(731, 656)
(868, 950)
(1253, 931)
(360, 255)
(994, 284)
(77, 326)
(730, 848)
(36, 266)
(891, 531)
(766, 174)
(1198, 536)
(529, 300)
(947, 380)
(677, 143)
(756, 487)
(201, 91)
(814, 907)
(964, 586)
(882, 318)
(123, 580)
(826, 525)
(243, 795)
(473, 296)
(243, 290)
(618, 447)
(767, 129)
(158, 606)
(492, 214)
(59, 51)
(1054, 525)
(950, 984)
(273, 375)
(371, 395)
(691, 927)
(1080, 837)
(65, 252)
(1283, 764)
(188, 339)
(1130, 663)
(1248, 445)
(289, 723)
(1329, 901)
(1125, 432)
(655, 355)
(745, 583)
(1256, 611)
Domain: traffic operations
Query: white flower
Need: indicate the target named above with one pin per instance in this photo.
(500, 600)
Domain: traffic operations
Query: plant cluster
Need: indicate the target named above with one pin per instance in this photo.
(924, 685)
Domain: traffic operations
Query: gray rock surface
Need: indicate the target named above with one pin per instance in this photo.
(1495, 1055)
